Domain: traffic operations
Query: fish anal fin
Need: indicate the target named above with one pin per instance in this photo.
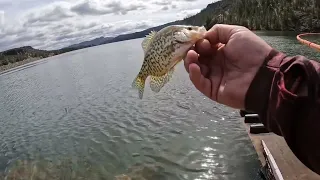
(146, 42)
(157, 82)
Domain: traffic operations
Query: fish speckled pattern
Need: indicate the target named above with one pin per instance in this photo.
(162, 51)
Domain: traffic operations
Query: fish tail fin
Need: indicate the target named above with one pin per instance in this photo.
(139, 83)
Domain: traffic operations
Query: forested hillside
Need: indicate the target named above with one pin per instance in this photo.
(291, 15)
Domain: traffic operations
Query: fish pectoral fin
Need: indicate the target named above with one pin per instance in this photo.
(139, 83)
(146, 42)
(157, 82)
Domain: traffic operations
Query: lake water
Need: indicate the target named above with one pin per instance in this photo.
(75, 116)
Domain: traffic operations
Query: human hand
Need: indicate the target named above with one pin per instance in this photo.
(223, 65)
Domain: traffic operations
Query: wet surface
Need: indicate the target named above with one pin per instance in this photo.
(76, 116)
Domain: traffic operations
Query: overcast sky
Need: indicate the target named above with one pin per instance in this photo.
(52, 24)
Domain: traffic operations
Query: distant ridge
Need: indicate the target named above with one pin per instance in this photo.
(123, 37)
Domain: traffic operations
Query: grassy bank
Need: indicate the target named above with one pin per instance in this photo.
(17, 64)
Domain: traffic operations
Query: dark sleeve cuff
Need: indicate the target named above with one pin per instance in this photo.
(258, 93)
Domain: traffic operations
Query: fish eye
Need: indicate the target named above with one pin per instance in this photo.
(189, 28)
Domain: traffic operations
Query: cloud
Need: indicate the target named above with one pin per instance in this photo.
(1, 18)
(4, 4)
(61, 39)
(90, 8)
(55, 12)
(99, 8)
(117, 6)
(52, 24)
(165, 8)
(187, 13)
(162, 2)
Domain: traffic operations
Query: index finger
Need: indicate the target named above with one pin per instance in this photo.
(191, 57)
(221, 33)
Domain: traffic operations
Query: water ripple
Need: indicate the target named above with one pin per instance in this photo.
(78, 116)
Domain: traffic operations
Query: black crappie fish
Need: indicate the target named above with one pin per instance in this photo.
(163, 50)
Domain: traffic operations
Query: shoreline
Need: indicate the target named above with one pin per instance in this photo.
(12, 66)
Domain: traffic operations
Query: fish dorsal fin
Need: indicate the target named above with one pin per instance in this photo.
(146, 42)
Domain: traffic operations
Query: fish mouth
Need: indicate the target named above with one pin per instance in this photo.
(183, 42)
(200, 34)
(193, 36)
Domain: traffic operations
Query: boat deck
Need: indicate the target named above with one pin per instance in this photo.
(289, 166)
